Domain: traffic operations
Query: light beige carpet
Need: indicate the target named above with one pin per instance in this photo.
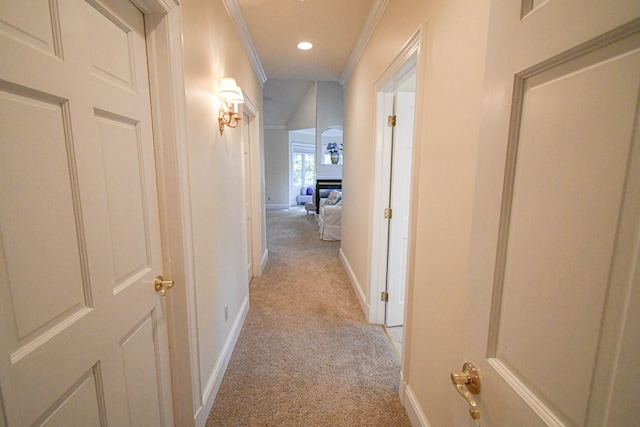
(306, 356)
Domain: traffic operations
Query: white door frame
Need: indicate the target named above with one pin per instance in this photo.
(258, 258)
(258, 203)
(406, 62)
(163, 22)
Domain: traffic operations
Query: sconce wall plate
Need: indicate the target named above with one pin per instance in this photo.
(230, 96)
(227, 117)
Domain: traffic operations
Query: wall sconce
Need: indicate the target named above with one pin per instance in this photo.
(230, 96)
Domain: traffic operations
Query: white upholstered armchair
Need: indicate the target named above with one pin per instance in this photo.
(330, 219)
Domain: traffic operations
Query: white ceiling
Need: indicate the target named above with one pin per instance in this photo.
(333, 26)
(271, 29)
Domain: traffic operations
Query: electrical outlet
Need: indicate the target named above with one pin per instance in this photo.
(226, 312)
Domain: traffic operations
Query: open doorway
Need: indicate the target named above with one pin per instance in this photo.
(401, 141)
(395, 128)
(399, 201)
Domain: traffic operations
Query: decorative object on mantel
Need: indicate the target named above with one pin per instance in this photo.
(334, 152)
(230, 96)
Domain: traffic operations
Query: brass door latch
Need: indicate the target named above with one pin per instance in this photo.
(467, 383)
(162, 285)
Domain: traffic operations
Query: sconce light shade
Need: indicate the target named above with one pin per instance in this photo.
(230, 91)
(230, 96)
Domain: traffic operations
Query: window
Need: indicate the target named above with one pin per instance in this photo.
(304, 166)
(304, 169)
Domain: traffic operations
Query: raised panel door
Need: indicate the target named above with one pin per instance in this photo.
(83, 337)
(556, 228)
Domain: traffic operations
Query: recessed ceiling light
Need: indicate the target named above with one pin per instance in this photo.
(305, 45)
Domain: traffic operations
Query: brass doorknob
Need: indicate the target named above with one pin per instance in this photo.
(162, 285)
(467, 383)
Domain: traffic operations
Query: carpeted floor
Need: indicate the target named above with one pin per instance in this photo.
(306, 356)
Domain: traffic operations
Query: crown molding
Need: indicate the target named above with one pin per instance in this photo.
(160, 7)
(375, 14)
(233, 8)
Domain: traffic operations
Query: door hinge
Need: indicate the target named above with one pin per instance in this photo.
(391, 121)
(388, 213)
(384, 296)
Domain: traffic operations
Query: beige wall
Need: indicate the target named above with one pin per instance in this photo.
(276, 165)
(212, 51)
(329, 112)
(453, 57)
(304, 116)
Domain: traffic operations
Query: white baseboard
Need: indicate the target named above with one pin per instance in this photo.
(213, 384)
(278, 206)
(364, 304)
(263, 262)
(411, 405)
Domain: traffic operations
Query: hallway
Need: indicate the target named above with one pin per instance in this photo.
(306, 355)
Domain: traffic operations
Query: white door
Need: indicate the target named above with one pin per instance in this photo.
(554, 282)
(402, 149)
(83, 337)
(246, 193)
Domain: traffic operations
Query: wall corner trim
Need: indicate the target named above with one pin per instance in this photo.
(233, 8)
(375, 14)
